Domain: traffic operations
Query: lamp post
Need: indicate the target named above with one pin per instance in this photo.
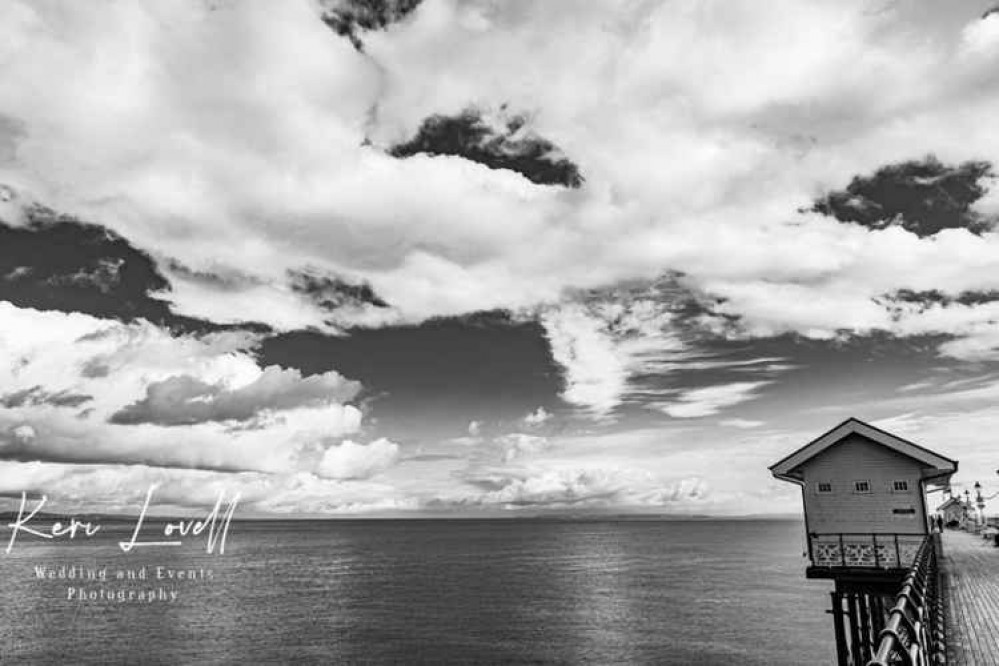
(967, 507)
(980, 503)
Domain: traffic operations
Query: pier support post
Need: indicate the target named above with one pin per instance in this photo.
(842, 648)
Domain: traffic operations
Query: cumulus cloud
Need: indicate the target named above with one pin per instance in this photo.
(236, 415)
(122, 489)
(350, 460)
(980, 39)
(548, 488)
(560, 487)
(516, 445)
(136, 134)
(240, 146)
(184, 400)
(537, 417)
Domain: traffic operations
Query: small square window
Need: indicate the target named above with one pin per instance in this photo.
(861, 486)
(824, 487)
(900, 486)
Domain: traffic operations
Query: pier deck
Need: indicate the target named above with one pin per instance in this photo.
(970, 568)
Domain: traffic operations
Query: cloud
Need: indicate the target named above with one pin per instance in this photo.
(606, 342)
(185, 400)
(580, 487)
(963, 432)
(138, 139)
(595, 375)
(548, 488)
(238, 159)
(698, 402)
(741, 423)
(122, 489)
(924, 197)
(350, 18)
(516, 445)
(511, 146)
(474, 428)
(350, 460)
(141, 139)
(624, 344)
(56, 262)
(537, 417)
(980, 39)
(236, 415)
(36, 395)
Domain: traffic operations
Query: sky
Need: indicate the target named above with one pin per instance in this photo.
(472, 257)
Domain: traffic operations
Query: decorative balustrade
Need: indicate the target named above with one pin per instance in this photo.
(856, 550)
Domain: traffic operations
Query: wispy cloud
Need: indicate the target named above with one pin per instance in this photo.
(695, 403)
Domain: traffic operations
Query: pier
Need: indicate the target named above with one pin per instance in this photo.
(947, 611)
(904, 591)
(969, 569)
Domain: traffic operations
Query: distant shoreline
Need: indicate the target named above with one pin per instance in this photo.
(9, 516)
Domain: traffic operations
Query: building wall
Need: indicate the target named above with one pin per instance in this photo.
(954, 513)
(844, 509)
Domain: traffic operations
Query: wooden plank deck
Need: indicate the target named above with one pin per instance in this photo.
(970, 569)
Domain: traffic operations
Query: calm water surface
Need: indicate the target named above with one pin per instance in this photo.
(432, 592)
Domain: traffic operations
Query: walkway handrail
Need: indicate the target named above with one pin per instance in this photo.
(914, 633)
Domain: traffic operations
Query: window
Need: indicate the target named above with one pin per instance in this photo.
(900, 486)
(861, 486)
(824, 487)
(907, 511)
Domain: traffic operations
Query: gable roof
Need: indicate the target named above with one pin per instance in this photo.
(934, 464)
(949, 503)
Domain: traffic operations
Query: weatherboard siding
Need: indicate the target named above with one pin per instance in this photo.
(856, 458)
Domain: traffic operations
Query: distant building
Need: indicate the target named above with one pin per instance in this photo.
(954, 511)
(864, 493)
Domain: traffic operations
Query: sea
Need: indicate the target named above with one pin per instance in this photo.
(502, 591)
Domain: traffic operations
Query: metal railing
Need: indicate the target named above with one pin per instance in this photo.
(914, 632)
(864, 550)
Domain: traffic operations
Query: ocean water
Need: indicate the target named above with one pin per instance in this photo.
(425, 592)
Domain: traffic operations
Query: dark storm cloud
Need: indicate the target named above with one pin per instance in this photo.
(330, 292)
(37, 395)
(57, 262)
(932, 297)
(921, 196)
(185, 400)
(467, 135)
(229, 282)
(350, 18)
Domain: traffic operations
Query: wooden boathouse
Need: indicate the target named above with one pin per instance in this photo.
(869, 530)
